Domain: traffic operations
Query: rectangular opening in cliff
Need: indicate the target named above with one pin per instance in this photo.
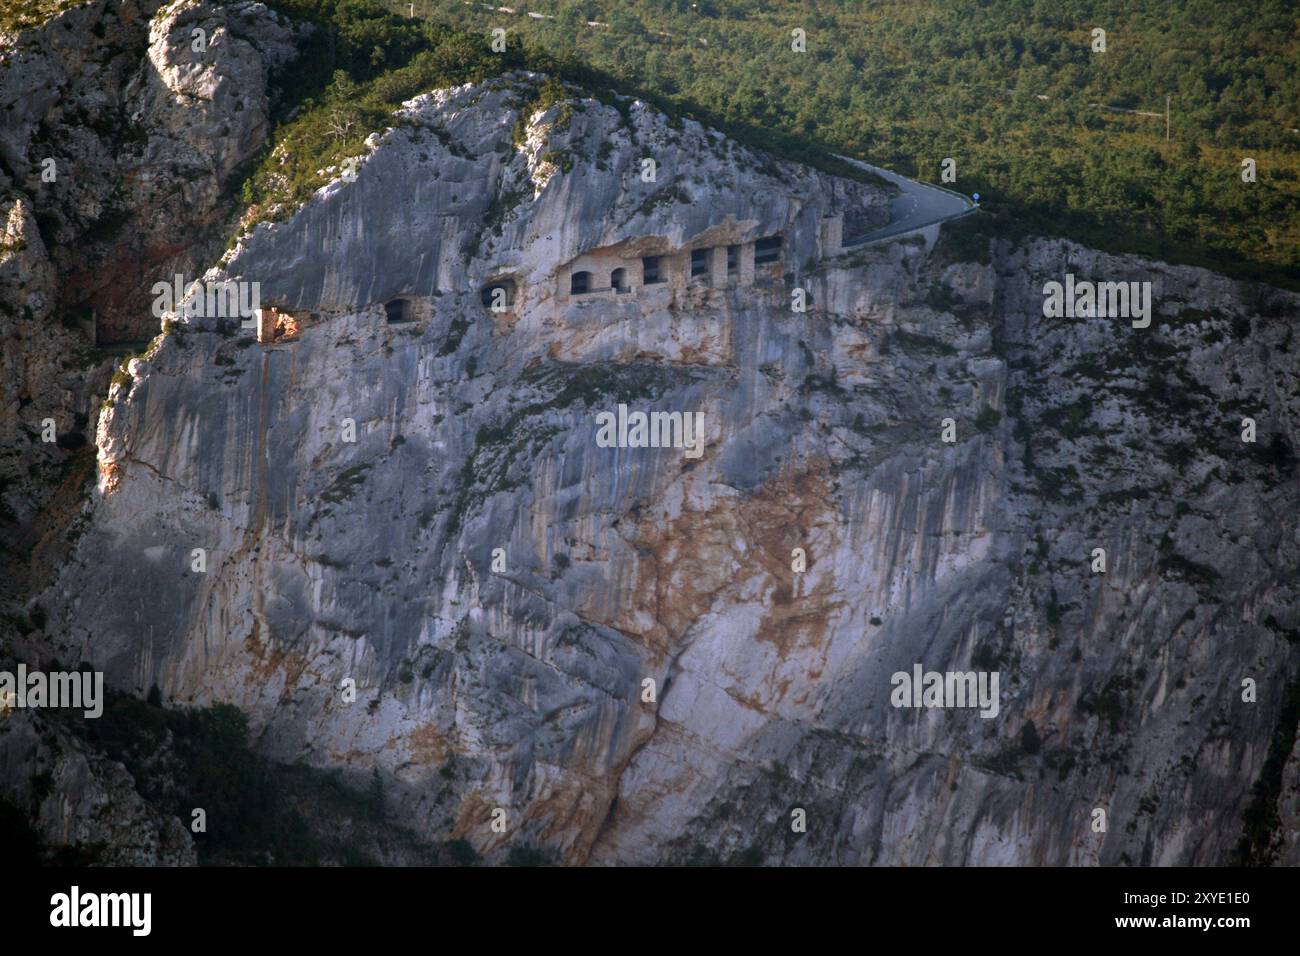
(276, 325)
(580, 283)
(287, 326)
(398, 311)
(767, 250)
(650, 274)
(733, 261)
(499, 295)
(699, 263)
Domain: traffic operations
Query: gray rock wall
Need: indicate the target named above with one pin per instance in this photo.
(328, 560)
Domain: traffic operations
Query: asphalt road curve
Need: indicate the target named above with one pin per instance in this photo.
(917, 205)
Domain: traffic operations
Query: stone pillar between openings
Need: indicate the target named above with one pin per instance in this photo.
(832, 237)
(718, 267)
(747, 264)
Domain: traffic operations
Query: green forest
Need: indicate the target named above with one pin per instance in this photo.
(1016, 93)
(363, 61)
(1013, 91)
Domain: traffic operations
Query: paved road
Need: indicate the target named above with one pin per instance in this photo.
(918, 205)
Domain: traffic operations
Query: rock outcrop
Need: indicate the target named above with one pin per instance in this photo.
(120, 135)
(119, 138)
(82, 800)
(390, 535)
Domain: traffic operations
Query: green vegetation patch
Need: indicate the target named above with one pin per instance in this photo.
(1014, 93)
(19, 15)
(345, 484)
(366, 57)
(361, 64)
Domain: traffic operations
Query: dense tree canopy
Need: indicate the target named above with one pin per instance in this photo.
(1013, 91)
(1016, 93)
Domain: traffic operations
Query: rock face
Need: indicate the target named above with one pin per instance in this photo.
(386, 529)
(82, 800)
(123, 127)
(118, 139)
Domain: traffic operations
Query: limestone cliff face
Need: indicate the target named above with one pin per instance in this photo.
(978, 556)
(123, 122)
(404, 489)
(117, 140)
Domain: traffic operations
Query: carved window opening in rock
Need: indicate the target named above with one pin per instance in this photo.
(398, 311)
(275, 326)
(650, 271)
(767, 250)
(733, 260)
(580, 283)
(499, 296)
(286, 326)
(618, 281)
(699, 263)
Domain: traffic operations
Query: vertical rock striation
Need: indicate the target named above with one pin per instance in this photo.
(520, 686)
